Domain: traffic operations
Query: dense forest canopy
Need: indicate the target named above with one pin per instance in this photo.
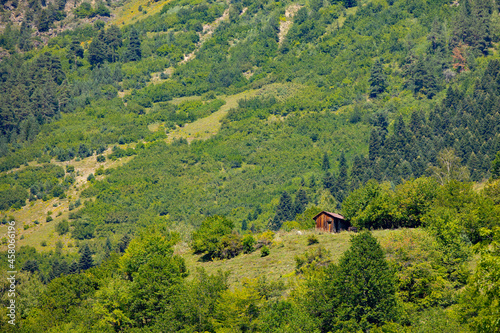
(136, 136)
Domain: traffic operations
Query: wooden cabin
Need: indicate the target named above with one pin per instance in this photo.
(331, 222)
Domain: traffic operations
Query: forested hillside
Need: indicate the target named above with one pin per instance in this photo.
(140, 141)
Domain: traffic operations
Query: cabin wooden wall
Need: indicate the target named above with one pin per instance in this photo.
(322, 223)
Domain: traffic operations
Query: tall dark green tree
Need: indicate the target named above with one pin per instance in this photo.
(113, 39)
(377, 79)
(340, 189)
(133, 52)
(86, 260)
(495, 167)
(300, 202)
(98, 50)
(350, 3)
(284, 212)
(326, 162)
(374, 145)
(361, 290)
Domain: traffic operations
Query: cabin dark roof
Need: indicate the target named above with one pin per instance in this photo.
(335, 215)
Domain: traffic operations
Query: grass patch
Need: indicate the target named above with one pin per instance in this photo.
(280, 263)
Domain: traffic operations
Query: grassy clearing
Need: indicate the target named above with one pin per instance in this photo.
(281, 262)
(129, 13)
(34, 233)
(204, 128)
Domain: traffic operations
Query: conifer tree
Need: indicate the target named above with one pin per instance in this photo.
(300, 203)
(284, 212)
(361, 291)
(350, 3)
(437, 36)
(329, 180)
(374, 145)
(377, 80)
(86, 260)
(340, 189)
(97, 50)
(495, 167)
(133, 52)
(113, 39)
(326, 162)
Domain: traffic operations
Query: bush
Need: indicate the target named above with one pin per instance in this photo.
(62, 227)
(101, 158)
(214, 238)
(312, 240)
(49, 219)
(229, 247)
(313, 258)
(43, 243)
(248, 243)
(264, 252)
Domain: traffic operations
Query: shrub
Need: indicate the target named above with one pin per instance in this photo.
(248, 243)
(90, 177)
(62, 227)
(43, 243)
(264, 252)
(214, 237)
(229, 247)
(265, 239)
(101, 158)
(49, 219)
(312, 240)
(313, 258)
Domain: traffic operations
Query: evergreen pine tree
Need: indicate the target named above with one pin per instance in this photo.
(86, 260)
(437, 36)
(340, 190)
(474, 165)
(329, 181)
(284, 212)
(361, 291)
(300, 203)
(73, 268)
(133, 52)
(25, 43)
(377, 80)
(97, 50)
(113, 39)
(495, 167)
(374, 145)
(326, 162)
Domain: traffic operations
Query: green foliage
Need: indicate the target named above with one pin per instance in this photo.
(265, 251)
(312, 259)
(248, 243)
(284, 212)
(377, 206)
(62, 227)
(214, 238)
(362, 291)
(377, 80)
(312, 240)
(86, 260)
(495, 167)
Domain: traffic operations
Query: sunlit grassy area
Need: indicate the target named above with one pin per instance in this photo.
(129, 13)
(281, 261)
(32, 228)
